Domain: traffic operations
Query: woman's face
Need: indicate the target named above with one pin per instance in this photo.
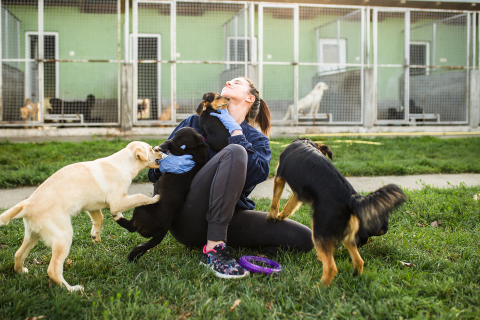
(238, 89)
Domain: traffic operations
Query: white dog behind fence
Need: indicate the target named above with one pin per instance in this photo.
(311, 100)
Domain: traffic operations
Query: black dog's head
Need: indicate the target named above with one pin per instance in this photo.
(90, 100)
(325, 150)
(365, 233)
(183, 141)
(212, 100)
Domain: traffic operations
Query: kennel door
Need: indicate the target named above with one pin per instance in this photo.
(148, 77)
(391, 59)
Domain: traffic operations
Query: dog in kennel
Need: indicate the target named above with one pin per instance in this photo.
(311, 101)
(75, 107)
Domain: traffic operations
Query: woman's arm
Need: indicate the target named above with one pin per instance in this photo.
(259, 154)
(155, 174)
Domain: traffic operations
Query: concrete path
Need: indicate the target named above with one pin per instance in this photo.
(10, 197)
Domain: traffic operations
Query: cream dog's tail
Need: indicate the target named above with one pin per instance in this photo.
(12, 213)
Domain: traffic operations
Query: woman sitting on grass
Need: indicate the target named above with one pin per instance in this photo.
(217, 206)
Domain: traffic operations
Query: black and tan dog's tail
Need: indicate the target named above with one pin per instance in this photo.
(141, 249)
(373, 209)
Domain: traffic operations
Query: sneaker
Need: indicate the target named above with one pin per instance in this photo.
(222, 263)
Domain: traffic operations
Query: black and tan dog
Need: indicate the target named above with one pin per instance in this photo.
(153, 221)
(217, 134)
(339, 212)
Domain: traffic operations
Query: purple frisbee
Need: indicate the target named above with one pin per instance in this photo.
(246, 263)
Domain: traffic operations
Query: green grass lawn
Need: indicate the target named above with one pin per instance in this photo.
(168, 282)
(26, 164)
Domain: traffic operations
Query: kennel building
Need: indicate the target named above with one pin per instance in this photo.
(149, 62)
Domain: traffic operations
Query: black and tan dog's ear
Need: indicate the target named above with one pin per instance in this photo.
(325, 150)
(201, 107)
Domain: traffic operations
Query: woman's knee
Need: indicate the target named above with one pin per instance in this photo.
(238, 155)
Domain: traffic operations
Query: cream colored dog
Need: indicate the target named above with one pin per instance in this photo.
(89, 186)
(29, 111)
(311, 100)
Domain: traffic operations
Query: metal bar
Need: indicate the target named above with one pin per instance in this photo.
(18, 42)
(245, 44)
(134, 57)
(203, 1)
(375, 58)
(159, 76)
(119, 57)
(235, 37)
(338, 42)
(469, 25)
(235, 16)
(317, 42)
(65, 124)
(326, 6)
(474, 36)
(41, 79)
(6, 34)
(296, 36)
(434, 43)
(260, 49)
(71, 60)
(338, 19)
(173, 66)
(57, 66)
(438, 21)
(362, 61)
(126, 31)
(271, 4)
(155, 1)
(253, 53)
(367, 44)
(406, 102)
(320, 64)
(1, 67)
(316, 123)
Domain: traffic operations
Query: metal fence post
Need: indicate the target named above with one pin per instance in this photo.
(370, 103)
(296, 35)
(407, 66)
(173, 59)
(41, 65)
(1, 68)
(119, 57)
(474, 104)
(126, 120)
(260, 49)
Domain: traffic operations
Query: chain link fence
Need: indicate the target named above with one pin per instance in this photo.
(308, 61)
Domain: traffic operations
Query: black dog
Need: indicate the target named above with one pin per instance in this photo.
(339, 212)
(217, 134)
(393, 113)
(74, 107)
(153, 221)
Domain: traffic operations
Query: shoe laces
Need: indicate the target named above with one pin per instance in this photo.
(227, 255)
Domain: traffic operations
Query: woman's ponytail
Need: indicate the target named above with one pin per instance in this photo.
(259, 112)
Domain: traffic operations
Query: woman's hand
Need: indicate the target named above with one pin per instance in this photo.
(177, 164)
(227, 120)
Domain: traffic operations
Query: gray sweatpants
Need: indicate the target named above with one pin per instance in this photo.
(209, 211)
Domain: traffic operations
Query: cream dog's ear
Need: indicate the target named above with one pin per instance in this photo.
(140, 154)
